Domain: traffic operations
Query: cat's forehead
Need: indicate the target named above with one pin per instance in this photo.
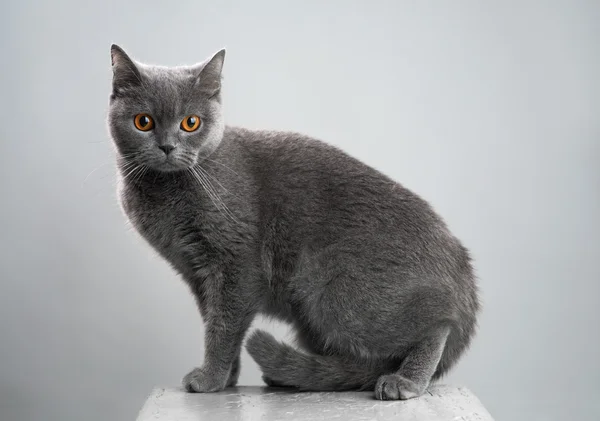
(168, 80)
(168, 89)
(179, 73)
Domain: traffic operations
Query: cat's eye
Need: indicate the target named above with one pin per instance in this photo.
(190, 123)
(143, 122)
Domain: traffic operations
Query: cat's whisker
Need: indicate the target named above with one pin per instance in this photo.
(96, 169)
(123, 163)
(212, 188)
(141, 173)
(193, 173)
(126, 157)
(221, 164)
(136, 168)
(214, 197)
(131, 173)
(215, 179)
(127, 162)
(127, 167)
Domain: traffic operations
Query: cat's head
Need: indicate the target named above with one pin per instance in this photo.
(165, 118)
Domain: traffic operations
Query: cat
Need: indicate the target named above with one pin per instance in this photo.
(381, 295)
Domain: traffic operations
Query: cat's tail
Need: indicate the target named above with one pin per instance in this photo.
(283, 365)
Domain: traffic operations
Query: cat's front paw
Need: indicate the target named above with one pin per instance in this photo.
(393, 387)
(198, 380)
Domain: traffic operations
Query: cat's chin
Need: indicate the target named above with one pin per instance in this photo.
(169, 166)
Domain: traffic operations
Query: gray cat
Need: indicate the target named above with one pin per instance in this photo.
(382, 296)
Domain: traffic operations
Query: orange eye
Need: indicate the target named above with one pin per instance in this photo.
(143, 122)
(190, 123)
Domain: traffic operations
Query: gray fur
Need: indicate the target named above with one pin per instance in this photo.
(381, 294)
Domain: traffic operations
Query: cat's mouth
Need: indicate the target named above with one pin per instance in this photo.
(171, 163)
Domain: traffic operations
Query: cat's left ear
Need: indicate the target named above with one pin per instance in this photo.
(125, 72)
(209, 74)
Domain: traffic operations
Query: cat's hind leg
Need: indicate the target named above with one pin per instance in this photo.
(417, 369)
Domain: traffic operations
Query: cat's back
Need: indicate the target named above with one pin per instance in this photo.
(292, 163)
(317, 184)
(292, 152)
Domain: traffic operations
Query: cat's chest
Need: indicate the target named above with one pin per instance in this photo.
(169, 219)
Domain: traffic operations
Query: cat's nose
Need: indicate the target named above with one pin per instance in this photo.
(167, 149)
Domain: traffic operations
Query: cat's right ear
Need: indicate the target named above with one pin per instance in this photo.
(209, 74)
(125, 72)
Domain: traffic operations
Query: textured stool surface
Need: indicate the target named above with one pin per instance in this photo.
(249, 403)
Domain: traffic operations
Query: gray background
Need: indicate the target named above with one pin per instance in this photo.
(487, 109)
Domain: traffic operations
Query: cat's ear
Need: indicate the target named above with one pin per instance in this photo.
(209, 74)
(125, 72)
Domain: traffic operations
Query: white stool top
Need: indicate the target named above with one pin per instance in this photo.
(249, 403)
